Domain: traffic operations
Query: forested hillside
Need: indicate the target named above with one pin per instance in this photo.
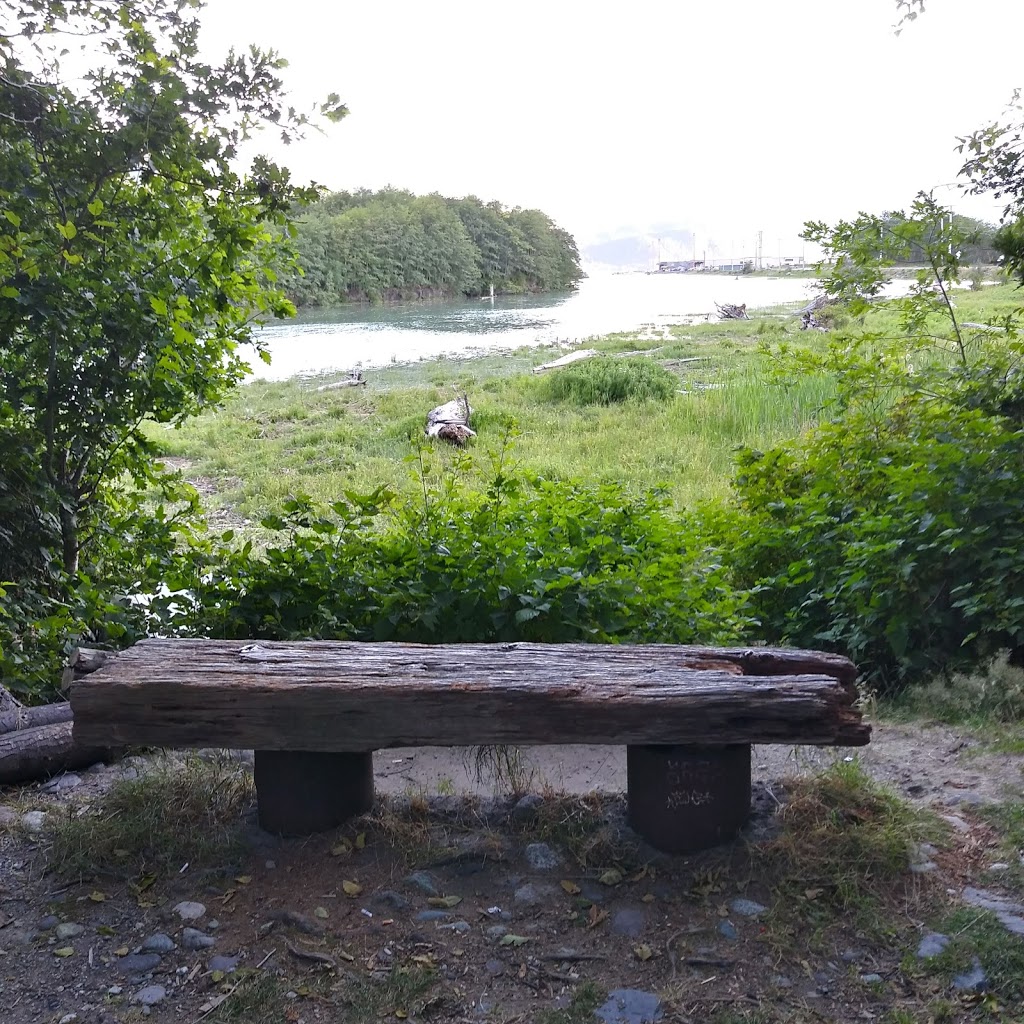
(372, 246)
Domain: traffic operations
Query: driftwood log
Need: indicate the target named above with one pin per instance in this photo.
(37, 742)
(450, 422)
(314, 711)
(728, 311)
(568, 360)
(355, 379)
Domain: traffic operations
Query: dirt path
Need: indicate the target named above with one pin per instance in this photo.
(446, 918)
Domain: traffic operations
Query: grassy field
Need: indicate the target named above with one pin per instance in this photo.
(275, 439)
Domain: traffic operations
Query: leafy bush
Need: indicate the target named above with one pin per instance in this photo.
(898, 541)
(534, 560)
(604, 381)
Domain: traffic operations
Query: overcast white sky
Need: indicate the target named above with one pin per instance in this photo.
(723, 117)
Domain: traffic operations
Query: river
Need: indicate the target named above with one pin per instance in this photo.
(347, 337)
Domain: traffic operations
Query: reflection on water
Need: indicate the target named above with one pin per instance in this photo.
(359, 335)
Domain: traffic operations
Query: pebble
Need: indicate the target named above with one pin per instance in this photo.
(728, 930)
(630, 1006)
(68, 930)
(532, 893)
(158, 943)
(68, 1018)
(747, 908)
(542, 857)
(966, 799)
(494, 968)
(495, 931)
(63, 783)
(456, 926)
(849, 956)
(189, 911)
(999, 866)
(270, 865)
(433, 915)
(628, 921)
(34, 820)
(114, 990)
(150, 995)
(780, 981)
(192, 938)
(871, 979)
(923, 867)
(8, 815)
(423, 881)
(931, 945)
(227, 964)
(974, 980)
(956, 821)
(527, 808)
(48, 922)
(390, 898)
(212, 925)
(1009, 914)
(137, 963)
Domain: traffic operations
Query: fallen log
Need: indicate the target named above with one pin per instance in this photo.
(567, 360)
(21, 719)
(729, 311)
(354, 380)
(38, 753)
(450, 422)
(37, 742)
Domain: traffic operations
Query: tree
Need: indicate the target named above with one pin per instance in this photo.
(134, 257)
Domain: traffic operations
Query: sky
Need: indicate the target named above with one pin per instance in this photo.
(726, 118)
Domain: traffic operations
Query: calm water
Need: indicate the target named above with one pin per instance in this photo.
(353, 336)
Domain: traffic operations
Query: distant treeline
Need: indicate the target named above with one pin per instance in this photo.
(373, 246)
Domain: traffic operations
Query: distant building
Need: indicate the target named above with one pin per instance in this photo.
(679, 266)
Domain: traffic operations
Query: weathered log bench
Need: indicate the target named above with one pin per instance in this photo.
(314, 712)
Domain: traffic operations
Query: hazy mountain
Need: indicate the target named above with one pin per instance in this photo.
(640, 251)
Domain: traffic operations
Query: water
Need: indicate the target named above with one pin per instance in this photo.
(352, 336)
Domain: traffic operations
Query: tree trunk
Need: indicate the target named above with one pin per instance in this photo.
(38, 753)
(21, 719)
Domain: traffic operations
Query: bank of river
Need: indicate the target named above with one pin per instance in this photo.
(327, 340)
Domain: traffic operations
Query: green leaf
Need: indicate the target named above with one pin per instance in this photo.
(158, 306)
(13, 218)
(67, 230)
(95, 207)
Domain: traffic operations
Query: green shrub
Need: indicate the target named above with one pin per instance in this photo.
(894, 534)
(603, 381)
(524, 560)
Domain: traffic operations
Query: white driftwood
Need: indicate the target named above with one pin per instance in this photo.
(341, 696)
(450, 422)
(567, 360)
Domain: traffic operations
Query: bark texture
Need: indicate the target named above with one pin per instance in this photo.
(340, 696)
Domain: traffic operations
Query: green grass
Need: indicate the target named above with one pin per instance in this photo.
(587, 998)
(844, 850)
(151, 825)
(275, 439)
(977, 933)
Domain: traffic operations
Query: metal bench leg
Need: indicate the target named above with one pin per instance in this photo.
(688, 798)
(300, 792)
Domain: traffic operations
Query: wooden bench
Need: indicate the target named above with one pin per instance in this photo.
(314, 712)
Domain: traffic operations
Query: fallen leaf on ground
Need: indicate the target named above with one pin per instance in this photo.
(570, 887)
(351, 888)
(360, 840)
(643, 952)
(513, 940)
(444, 901)
(344, 847)
(321, 912)
(611, 877)
(596, 916)
(97, 897)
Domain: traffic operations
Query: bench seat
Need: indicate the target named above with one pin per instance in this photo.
(314, 711)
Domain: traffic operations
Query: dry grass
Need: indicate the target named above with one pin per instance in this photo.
(176, 812)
